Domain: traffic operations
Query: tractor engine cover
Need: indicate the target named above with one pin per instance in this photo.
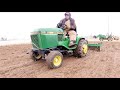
(44, 38)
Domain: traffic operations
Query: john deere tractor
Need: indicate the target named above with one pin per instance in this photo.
(51, 45)
(105, 37)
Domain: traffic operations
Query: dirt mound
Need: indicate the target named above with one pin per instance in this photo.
(15, 62)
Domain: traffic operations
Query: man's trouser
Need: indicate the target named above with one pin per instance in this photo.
(72, 34)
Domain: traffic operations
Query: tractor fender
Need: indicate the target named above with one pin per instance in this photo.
(83, 39)
(79, 39)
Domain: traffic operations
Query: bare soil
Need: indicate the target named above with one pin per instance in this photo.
(15, 62)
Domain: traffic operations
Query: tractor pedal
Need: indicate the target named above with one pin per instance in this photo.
(70, 52)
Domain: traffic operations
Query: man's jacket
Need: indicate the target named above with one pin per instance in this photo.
(61, 24)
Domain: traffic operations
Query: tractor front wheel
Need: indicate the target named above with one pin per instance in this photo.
(54, 59)
(35, 56)
(81, 49)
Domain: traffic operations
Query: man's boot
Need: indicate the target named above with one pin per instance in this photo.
(72, 43)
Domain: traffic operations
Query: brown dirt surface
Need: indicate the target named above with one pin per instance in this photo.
(15, 62)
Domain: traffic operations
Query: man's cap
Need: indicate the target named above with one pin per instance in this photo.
(68, 13)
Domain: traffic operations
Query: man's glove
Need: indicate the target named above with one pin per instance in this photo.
(58, 25)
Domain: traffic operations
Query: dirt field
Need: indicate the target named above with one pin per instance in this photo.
(16, 63)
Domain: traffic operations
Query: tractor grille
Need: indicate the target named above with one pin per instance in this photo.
(35, 40)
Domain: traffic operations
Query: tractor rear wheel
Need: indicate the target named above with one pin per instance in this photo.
(54, 59)
(81, 49)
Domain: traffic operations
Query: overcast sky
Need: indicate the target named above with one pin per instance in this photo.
(20, 24)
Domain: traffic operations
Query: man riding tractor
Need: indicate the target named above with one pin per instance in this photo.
(52, 44)
(69, 27)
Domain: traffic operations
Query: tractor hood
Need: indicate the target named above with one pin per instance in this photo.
(43, 38)
(48, 31)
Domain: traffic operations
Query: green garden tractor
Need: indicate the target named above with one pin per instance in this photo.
(105, 37)
(51, 45)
